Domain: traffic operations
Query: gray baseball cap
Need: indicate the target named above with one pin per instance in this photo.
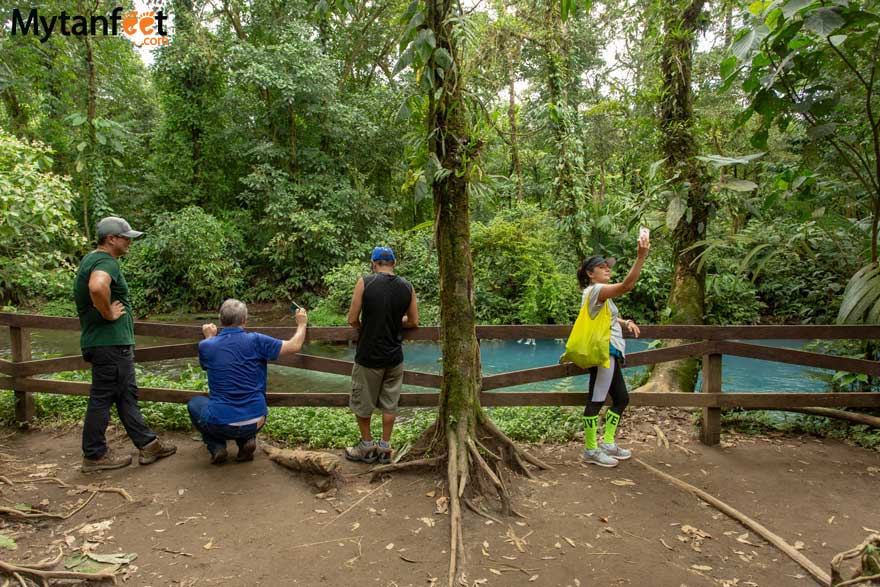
(113, 225)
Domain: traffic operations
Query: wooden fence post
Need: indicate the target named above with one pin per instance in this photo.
(21, 351)
(710, 431)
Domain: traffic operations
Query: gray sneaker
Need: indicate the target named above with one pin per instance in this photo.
(612, 450)
(383, 452)
(364, 452)
(595, 456)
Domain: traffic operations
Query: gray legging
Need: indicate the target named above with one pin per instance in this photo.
(605, 380)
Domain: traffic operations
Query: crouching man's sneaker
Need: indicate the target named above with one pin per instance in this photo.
(106, 461)
(595, 456)
(156, 450)
(364, 451)
(612, 450)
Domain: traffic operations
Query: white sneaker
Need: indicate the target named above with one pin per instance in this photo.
(596, 456)
(612, 450)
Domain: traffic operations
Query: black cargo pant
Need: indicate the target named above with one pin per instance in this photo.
(113, 382)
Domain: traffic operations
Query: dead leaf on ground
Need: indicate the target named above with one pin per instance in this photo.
(705, 568)
(623, 482)
(209, 545)
(744, 539)
(441, 506)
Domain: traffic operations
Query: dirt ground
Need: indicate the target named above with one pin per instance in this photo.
(194, 524)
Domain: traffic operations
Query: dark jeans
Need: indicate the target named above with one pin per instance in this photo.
(112, 383)
(216, 435)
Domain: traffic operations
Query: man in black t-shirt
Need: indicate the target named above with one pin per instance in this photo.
(382, 304)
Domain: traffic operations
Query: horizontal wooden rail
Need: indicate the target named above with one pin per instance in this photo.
(796, 357)
(570, 369)
(505, 332)
(7, 367)
(750, 400)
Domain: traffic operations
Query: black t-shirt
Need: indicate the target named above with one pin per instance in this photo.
(386, 299)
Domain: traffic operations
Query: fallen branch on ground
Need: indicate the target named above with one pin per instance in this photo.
(856, 417)
(80, 488)
(352, 506)
(44, 576)
(38, 514)
(808, 565)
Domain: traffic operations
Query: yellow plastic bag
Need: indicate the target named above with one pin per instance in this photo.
(589, 344)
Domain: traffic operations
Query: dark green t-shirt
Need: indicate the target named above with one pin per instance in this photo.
(95, 330)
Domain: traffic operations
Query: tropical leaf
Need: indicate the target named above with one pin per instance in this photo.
(861, 298)
(792, 6)
(677, 208)
(824, 21)
(722, 161)
(738, 185)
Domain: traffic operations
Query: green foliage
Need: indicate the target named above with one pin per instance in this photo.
(38, 234)
(761, 422)
(732, 299)
(307, 228)
(188, 260)
(519, 277)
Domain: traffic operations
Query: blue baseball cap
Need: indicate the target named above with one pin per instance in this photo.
(383, 254)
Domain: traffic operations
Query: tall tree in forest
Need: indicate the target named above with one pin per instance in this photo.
(687, 215)
(476, 453)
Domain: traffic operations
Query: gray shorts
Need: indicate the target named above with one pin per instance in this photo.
(375, 388)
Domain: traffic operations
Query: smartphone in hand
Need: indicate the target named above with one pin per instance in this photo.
(644, 233)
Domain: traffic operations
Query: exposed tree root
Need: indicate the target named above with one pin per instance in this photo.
(869, 551)
(378, 471)
(480, 511)
(479, 460)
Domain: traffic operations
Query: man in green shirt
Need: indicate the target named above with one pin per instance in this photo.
(107, 342)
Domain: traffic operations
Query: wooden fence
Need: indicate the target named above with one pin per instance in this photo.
(708, 342)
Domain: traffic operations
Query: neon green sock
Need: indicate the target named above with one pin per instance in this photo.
(612, 419)
(591, 423)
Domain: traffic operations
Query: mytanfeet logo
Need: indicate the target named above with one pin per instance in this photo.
(149, 24)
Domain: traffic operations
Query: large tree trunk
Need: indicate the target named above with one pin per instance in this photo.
(477, 455)
(687, 297)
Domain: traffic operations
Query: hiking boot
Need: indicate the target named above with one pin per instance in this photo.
(595, 456)
(156, 450)
(219, 456)
(106, 461)
(246, 450)
(383, 452)
(612, 450)
(364, 452)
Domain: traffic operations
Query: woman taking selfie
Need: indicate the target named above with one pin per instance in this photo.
(594, 276)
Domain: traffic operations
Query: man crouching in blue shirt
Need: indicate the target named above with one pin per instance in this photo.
(236, 364)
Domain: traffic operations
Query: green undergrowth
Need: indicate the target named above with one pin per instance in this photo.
(764, 421)
(313, 427)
